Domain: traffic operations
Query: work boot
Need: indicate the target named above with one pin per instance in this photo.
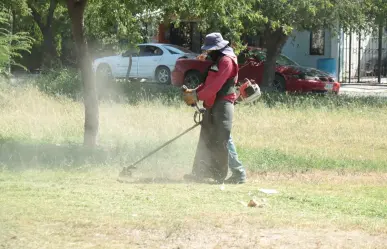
(236, 179)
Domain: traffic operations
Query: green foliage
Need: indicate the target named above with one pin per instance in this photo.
(66, 82)
(138, 92)
(375, 11)
(255, 16)
(305, 15)
(11, 45)
(225, 16)
(19, 6)
(116, 25)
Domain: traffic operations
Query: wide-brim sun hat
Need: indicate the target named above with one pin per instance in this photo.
(214, 41)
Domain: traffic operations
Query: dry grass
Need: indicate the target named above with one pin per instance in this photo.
(311, 138)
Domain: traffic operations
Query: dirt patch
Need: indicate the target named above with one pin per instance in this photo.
(255, 237)
(181, 236)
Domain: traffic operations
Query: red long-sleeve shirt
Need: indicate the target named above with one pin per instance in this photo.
(228, 68)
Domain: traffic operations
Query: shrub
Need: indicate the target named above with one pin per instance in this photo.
(329, 101)
(66, 82)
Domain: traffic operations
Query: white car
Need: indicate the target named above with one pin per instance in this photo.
(154, 61)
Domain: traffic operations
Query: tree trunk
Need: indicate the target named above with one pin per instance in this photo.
(49, 48)
(274, 40)
(12, 22)
(76, 10)
(129, 67)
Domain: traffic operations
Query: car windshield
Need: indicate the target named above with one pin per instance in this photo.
(174, 49)
(261, 56)
(283, 61)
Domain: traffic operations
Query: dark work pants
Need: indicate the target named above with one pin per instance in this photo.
(211, 159)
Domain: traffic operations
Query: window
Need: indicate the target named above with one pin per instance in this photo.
(133, 52)
(174, 49)
(150, 51)
(317, 42)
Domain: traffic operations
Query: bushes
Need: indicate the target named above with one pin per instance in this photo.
(66, 82)
(318, 101)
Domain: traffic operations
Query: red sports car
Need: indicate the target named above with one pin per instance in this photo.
(289, 77)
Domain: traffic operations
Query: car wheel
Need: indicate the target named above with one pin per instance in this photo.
(163, 75)
(192, 79)
(279, 83)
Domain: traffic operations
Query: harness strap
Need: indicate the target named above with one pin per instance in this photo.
(227, 88)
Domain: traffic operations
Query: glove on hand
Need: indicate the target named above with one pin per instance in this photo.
(190, 96)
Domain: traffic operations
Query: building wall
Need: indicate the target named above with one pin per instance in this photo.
(297, 48)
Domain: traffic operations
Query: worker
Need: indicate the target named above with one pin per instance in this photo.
(218, 92)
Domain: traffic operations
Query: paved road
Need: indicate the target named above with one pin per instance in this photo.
(364, 90)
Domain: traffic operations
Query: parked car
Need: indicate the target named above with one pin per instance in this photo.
(149, 61)
(289, 75)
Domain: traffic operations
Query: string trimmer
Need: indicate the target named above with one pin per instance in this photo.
(249, 91)
(198, 117)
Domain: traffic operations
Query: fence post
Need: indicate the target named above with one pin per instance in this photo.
(380, 40)
(339, 60)
(358, 59)
(350, 56)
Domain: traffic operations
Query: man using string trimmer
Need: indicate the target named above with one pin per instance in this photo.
(216, 150)
(218, 93)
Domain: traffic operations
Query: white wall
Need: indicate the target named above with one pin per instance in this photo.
(298, 45)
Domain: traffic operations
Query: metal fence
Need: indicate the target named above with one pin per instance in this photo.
(363, 57)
